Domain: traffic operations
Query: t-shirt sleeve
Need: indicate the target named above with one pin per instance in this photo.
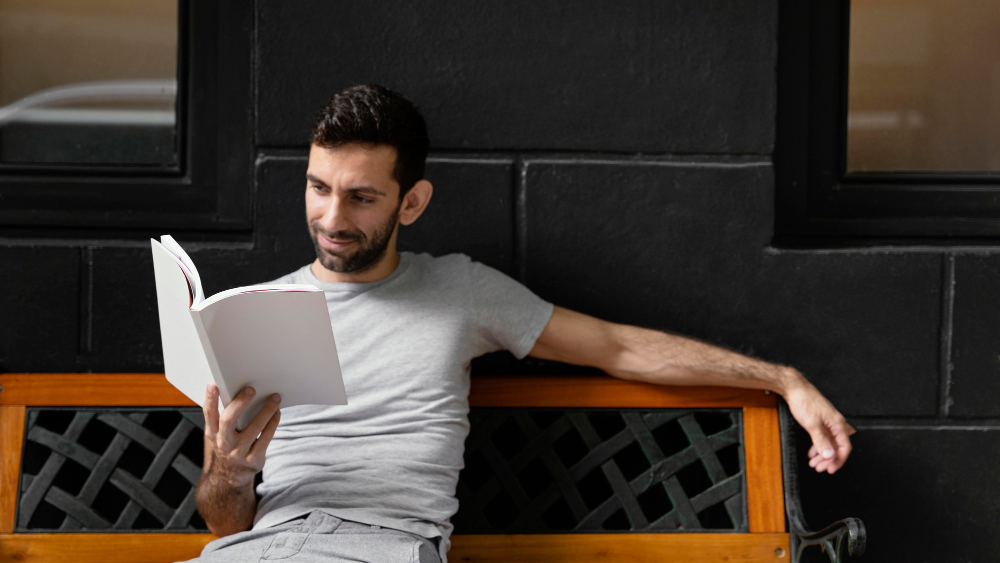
(507, 315)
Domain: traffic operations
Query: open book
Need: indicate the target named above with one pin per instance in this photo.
(277, 338)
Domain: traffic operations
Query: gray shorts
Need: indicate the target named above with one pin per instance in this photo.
(321, 538)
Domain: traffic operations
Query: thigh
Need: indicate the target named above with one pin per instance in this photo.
(367, 547)
(243, 550)
(246, 546)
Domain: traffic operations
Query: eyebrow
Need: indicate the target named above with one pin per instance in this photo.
(359, 189)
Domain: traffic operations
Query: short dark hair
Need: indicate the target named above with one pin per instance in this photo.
(375, 115)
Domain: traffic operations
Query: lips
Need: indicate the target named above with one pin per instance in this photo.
(334, 244)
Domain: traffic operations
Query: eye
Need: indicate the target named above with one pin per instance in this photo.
(320, 189)
(361, 199)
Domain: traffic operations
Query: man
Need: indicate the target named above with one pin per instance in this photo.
(375, 480)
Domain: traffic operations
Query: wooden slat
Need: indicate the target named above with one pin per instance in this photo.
(631, 548)
(102, 548)
(90, 389)
(604, 391)
(762, 447)
(547, 548)
(149, 389)
(11, 439)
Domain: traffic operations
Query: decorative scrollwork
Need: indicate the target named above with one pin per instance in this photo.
(93, 470)
(597, 470)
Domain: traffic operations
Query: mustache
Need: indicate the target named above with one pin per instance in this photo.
(337, 235)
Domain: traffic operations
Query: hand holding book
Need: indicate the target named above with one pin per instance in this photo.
(276, 338)
(239, 455)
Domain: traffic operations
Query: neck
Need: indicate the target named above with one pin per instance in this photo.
(385, 266)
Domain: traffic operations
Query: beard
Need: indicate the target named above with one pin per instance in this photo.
(369, 251)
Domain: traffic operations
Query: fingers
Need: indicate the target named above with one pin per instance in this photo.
(250, 433)
(211, 410)
(258, 448)
(829, 432)
(232, 412)
(241, 454)
(838, 437)
(822, 445)
(843, 444)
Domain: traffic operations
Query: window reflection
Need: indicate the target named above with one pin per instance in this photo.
(924, 86)
(88, 82)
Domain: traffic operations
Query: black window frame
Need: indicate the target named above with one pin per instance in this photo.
(816, 198)
(207, 191)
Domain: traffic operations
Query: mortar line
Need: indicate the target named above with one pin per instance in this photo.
(254, 75)
(932, 428)
(925, 422)
(521, 219)
(570, 160)
(118, 243)
(947, 324)
(901, 248)
(86, 304)
(558, 153)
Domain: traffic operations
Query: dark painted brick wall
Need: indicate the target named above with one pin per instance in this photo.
(926, 492)
(687, 252)
(40, 301)
(615, 157)
(975, 382)
(634, 75)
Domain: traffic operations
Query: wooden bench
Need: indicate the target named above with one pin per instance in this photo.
(579, 434)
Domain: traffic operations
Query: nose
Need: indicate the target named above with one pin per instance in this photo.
(336, 216)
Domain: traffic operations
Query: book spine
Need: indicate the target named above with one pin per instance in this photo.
(213, 364)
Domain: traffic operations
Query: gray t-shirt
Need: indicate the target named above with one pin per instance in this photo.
(392, 455)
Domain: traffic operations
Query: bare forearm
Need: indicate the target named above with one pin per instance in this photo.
(224, 495)
(640, 354)
(646, 355)
(226, 503)
(657, 357)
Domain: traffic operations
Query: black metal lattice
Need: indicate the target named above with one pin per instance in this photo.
(598, 470)
(540, 470)
(110, 469)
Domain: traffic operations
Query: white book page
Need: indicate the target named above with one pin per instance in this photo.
(197, 293)
(278, 342)
(253, 289)
(184, 359)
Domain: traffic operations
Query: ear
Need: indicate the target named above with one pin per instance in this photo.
(415, 201)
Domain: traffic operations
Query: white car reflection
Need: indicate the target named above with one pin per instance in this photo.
(38, 107)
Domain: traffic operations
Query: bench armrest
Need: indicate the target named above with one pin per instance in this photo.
(831, 539)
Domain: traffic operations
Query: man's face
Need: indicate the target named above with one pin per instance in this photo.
(352, 205)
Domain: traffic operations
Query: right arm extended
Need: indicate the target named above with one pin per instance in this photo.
(225, 495)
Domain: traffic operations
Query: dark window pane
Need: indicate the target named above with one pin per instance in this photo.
(924, 86)
(88, 82)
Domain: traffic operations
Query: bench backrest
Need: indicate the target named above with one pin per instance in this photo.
(538, 446)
